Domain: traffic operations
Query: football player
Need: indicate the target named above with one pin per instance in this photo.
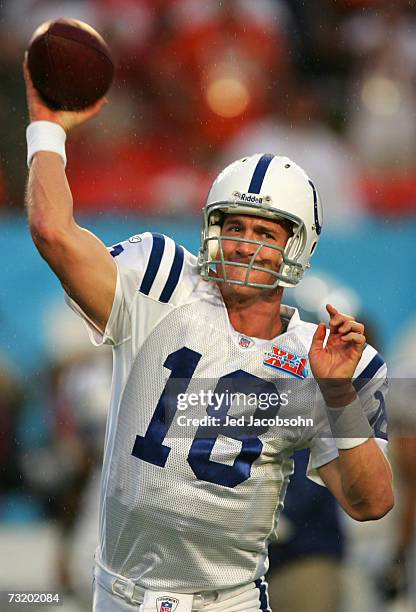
(186, 512)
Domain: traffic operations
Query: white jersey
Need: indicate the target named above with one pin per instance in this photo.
(182, 507)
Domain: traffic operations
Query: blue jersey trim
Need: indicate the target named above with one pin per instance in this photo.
(174, 275)
(368, 372)
(116, 250)
(260, 173)
(263, 598)
(154, 263)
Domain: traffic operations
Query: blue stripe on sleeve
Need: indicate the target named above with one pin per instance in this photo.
(260, 173)
(368, 372)
(116, 250)
(174, 275)
(154, 263)
(379, 420)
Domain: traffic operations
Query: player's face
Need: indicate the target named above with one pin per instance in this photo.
(252, 228)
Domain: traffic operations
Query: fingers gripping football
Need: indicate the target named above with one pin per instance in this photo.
(39, 111)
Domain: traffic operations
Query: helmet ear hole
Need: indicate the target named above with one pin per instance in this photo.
(313, 247)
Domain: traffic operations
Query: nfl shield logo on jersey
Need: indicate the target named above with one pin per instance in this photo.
(166, 604)
(245, 342)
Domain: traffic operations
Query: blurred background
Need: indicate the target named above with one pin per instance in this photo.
(199, 83)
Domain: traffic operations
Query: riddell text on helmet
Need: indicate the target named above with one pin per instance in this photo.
(251, 198)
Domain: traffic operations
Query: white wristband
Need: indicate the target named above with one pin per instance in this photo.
(349, 425)
(347, 443)
(45, 136)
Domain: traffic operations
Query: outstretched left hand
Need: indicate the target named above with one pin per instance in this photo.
(339, 358)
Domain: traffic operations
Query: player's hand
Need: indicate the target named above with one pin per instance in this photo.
(38, 111)
(334, 365)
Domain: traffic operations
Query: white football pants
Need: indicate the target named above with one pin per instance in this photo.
(114, 593)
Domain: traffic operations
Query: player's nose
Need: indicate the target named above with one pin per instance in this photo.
(245, 249)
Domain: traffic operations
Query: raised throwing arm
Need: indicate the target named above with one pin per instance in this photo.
(79, 259)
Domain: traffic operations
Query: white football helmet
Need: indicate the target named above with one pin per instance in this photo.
(268, 186)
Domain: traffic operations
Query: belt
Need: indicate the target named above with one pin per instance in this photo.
(126, 589)
(133, 593)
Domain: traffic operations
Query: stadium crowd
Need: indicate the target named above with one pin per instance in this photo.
(196, 79)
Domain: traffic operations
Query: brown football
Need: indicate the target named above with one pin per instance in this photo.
(70, 64)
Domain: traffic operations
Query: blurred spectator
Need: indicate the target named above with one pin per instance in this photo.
(82, 395)
(396, 581)
(319, 56)
(381, 126)
(215, 65)
(12, 483)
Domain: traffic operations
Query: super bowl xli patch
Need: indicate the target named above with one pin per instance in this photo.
(279, 359)
(166, 604)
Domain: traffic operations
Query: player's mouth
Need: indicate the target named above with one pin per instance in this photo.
(261, 263)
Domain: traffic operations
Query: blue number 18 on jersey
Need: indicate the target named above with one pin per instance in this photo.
(150, 447)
